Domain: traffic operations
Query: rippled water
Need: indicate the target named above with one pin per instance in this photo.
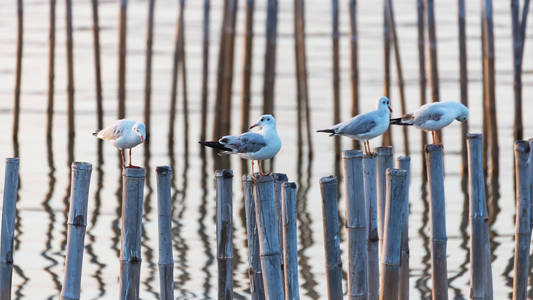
(44, 173)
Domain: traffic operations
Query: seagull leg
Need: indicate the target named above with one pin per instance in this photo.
(253, 176)
(367, 147)
(123, 161)
(260, 168)
(130, 158)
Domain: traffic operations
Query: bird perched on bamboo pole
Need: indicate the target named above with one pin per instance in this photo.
(254, 146)
(434, 116)
(365, 126)
(123, 134)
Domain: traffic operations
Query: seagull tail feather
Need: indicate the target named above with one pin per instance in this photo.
(214, 145)
(399, 121)
(332, 131)
(95, 133)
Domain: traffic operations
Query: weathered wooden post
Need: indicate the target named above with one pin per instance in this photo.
(523, 227)
(435, 173)
(290, 241)
(369, 180)
(396, 198)
(403, 163)
(164, 207)
(356, 224)
(383, 162)
(257, 288)
(279, 179)
(330, 219)
(479, 239)
(77, 222)
(11, 182)
(130, 236)
(224, 233)
(269, 249)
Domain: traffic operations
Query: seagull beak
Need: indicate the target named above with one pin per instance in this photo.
(390, 108)
(142, 140)
(253, 126)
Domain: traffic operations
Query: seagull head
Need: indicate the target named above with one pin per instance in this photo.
(462, 112)
(384, 103)
(264, 121)
(140, 130)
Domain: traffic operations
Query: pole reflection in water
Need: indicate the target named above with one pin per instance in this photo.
(422, 282)
(202, 232)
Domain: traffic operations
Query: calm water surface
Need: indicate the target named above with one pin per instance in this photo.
(45, 182)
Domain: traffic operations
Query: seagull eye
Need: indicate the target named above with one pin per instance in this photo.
(262, 119)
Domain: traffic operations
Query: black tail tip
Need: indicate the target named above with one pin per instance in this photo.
(326, 131)
(95, 133)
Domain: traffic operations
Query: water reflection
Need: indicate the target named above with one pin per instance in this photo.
(202, 232)
(422, 282)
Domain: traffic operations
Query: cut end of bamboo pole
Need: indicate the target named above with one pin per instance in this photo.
(79, 165)
(432, 148)
(522, 146)
(328, 180)
(280, 177)
(347, 154)
(384, 150)
(163, 170)
(370, 155)
(265, 178)
(134, 172)
(397, 172)
(12, 160)
(404, 158)
(224, 173)
(247, 178)
(289, 185)
(474, 136)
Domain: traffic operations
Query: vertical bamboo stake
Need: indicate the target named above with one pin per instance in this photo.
(330, 219)
(279, 179)
(369, 180)
(77, 222)
(164, 207)
(123, 24)
(269, 247)
(335, 36)
(205, 70)
(18, 70)
(523, 226)
(403, 162)
(70, 70)
(435, 173)
(270, 56)
(356, 224)
(463, 75)
(397, 189)
(354, 61)
(97, 67)
(175, 68)
(130, 236)
(432, 43)
(148, 70)
(383, 162)
(51, 69)
(422, 81)
(247, 68)
(185, 96)
(387, 137)
(290, 241)
(257, 288)
(11, 182)
(224, 233)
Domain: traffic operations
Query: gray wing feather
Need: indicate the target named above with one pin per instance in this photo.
(245, 143)
(356, 125)
(427, 115)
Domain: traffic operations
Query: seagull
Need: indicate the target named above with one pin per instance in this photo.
(434, 116)
(123, 134)
(260, 145)
(365, 126)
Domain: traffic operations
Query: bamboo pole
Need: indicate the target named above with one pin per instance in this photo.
(77, 223)
(97, 67)
(269, 248)
(335, 36)
(11, 182)
(247, 68)
(356, 224)
(148, 70)
(70, 70)
(384, 161)
(330, 219)
(369, 180)
(130, 236)
(122, 29)
(270, 56)
(164, 207)
(279, 179)
(290, 241)
(397, 189)
(522, 224)
(175, 68)
(18, 68)
(432, 44)
(422, 81)
(435, 173)
(185, 95)
(224, 233)
(463, 78)
(205, 70)
(51, 70)
(403, 163)
(257, 289)
(387, 136)
(354, 62)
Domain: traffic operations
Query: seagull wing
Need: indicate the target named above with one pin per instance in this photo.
(357, 125)
(116, 130)
(248, 142)
(432, 113)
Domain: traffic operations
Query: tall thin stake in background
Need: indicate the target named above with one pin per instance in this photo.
(18, 71)
(270, 56)
(175, 69)
(97, 68)
(422, 81)
(184, 91)
(354, 62)
(70, 70)
(387, 137)
(148, 71)
(432, 45)
(51, 70)
(205, 71)
(247, 71)
(335, 35)
(122, 59)
(463, 75)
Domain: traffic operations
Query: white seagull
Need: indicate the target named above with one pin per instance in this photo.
(123, 134)
(365, 126)
(260, 145)
(434, 116)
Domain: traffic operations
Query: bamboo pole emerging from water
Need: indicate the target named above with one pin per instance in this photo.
(435, 173)
(369, 180)
(387, 137)
(11, 181)
(175, 68)
(290, 241)
(97, 67)
(257, 289)
(148, 70)
(51, 70)
(269, 247)
(122, 29)
(18, 68)
(279, 179)
(77, 223)
(330, 219)
(164, 208)
(205, 70)
(130, 236)
(224, 233)
(522, 224)
(422, 81)
(70, 70)
(356, 224)
(354, 62)
(384, 161)
(270, 56)
(463, 78)
(403, 163)
(432, 44)
(335, 36)
(247, 71)
(397, 189)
